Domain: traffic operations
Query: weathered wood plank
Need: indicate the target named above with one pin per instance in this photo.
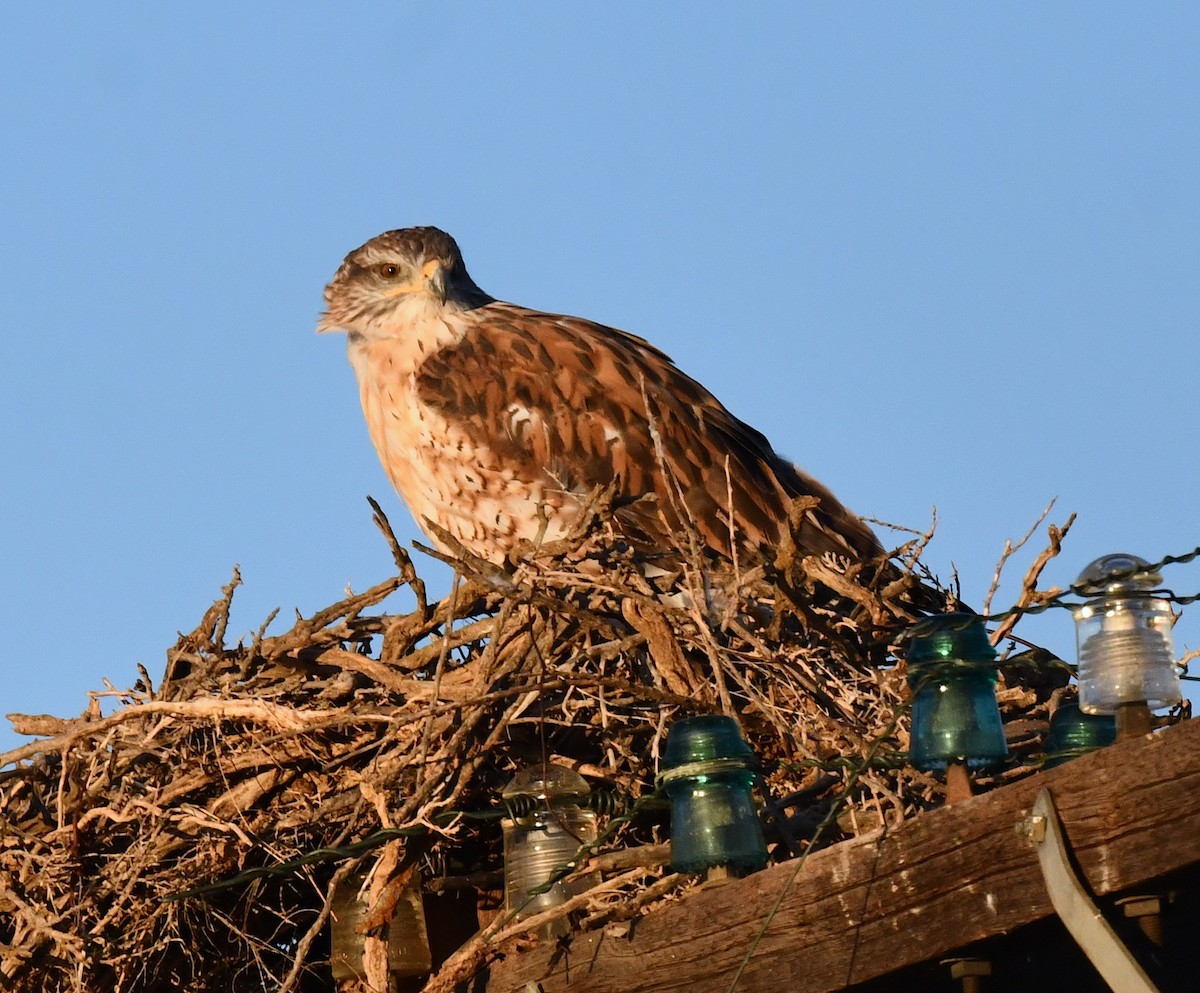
(864, 908)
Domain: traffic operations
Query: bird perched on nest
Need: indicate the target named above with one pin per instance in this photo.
(496, 423)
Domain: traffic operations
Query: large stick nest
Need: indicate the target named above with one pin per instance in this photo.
(387, 738)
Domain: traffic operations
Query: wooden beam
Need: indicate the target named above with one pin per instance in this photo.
(864, 908)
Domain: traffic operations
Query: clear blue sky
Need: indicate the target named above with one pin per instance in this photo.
(942, 254)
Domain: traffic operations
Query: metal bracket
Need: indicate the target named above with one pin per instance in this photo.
(1091, 931)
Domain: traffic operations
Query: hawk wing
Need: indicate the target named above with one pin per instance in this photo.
(587, 405)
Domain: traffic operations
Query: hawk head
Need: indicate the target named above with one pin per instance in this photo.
(395, 277)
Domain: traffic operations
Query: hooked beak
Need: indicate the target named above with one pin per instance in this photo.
(433, 278)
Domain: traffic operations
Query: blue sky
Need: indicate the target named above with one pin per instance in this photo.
(942, 254)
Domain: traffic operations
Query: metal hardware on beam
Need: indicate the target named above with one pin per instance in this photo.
(1087, 926)
(1146, 909)
(969, 972)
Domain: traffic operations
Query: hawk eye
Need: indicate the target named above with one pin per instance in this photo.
(388, 270)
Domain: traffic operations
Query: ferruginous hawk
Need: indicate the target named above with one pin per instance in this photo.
(482, 412)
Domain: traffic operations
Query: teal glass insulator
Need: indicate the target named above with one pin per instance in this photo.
(955, 716)
(708, 772)
(1074, 733)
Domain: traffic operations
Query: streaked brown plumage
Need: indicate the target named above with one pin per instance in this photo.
(481, 410)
